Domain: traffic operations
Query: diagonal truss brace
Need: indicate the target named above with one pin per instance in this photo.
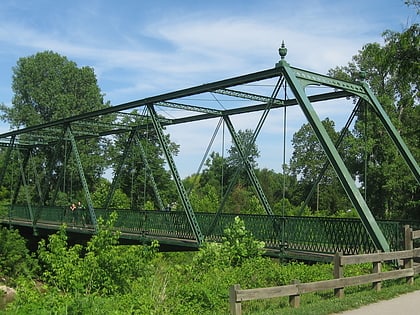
(393, 133)
(89, 202)
(335, 159)
(180, 187)
(248, 166)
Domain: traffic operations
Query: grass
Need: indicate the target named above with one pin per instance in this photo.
(324, 303)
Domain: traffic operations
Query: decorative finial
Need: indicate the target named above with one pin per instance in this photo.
(282, 50)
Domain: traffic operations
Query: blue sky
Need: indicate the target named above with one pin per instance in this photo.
(143, 48)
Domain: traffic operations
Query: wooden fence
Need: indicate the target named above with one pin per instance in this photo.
(293, 291)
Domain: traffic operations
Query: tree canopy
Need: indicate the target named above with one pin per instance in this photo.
(47, 87)
(392, 71)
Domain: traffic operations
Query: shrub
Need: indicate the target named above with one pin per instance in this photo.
(14, 255)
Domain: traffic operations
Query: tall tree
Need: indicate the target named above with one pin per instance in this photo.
(250, 149)
(220, 171)
(306, 164)
(47, 87)
(392, 71)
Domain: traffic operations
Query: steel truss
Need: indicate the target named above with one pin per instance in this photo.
(93, 125)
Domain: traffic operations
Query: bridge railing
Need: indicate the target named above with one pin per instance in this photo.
(306, 234)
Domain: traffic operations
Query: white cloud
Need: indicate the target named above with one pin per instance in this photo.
(139, 53)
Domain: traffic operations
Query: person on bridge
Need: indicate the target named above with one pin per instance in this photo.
(73, 213)
(83, 213)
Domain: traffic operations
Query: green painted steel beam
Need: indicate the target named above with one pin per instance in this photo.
(191, 108)
(22, 167)
(311, 78)
(183, 195)
(251, 96)
(243, 152)
(335, 159)
(79, 165)
(208, 87)
(393, 133)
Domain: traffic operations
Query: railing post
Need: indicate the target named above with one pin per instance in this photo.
(235, 306)
(377, 268)
(294, 300)
(338, 274)
(408, 262)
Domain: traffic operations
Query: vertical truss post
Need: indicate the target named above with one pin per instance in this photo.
(336, 161)
(393, 133)
(248, 166)
(149, 173)
(180, 187)
(82, 177)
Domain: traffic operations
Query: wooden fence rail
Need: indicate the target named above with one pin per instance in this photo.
(293, 291)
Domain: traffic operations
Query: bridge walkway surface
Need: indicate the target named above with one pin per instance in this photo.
(408, 303)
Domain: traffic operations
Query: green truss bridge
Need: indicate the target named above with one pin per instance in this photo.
(260, 93)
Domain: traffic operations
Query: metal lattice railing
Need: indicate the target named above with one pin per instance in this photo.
(306, 234)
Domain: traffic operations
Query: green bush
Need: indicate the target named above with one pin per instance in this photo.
(15, 259)
(101, 267)
(107, 278)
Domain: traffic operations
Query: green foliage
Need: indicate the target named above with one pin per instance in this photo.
(101, 267)
(15, 259)
(206, 199)
(392, 72)
(143, 164)
(48, 87)
(249, 148)
(99, 196)
(306, 164)
(108, 279)
(239, 244)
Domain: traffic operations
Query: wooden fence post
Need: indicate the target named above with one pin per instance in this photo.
(377, 268)
(408, 240)
(235, 306)
(294, 300)
(338, 273)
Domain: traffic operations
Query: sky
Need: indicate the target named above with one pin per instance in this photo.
(143, 48)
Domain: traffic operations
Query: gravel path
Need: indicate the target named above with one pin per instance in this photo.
(404, 304)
